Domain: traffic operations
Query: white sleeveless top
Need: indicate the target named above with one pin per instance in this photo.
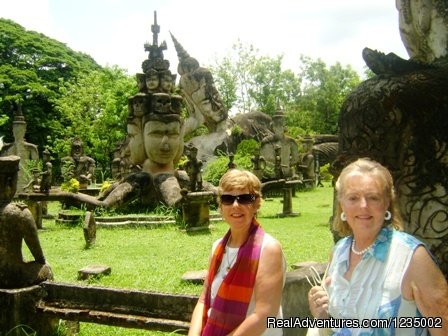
(228, 261)
(374, 290)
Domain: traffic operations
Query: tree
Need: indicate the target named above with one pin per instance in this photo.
(254, 82)
(94, 109)
(32, 67)
(226, 81)
(323, 92)
(311, 98)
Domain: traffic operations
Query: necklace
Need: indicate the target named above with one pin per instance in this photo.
(362, 251)
(228, 261)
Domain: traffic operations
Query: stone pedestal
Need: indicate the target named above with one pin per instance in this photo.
(18, 313)
(196, 210)
(287, 199)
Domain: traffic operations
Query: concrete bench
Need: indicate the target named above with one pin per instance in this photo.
(117, 307)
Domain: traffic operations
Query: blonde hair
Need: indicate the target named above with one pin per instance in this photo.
(239, 179)
(381, 174)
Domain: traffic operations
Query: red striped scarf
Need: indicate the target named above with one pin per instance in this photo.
(229, 308)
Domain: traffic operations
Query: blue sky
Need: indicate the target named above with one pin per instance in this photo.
(114, 31)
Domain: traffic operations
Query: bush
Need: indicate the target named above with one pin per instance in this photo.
(325, 174)
(71, 185)
(216, 169)
(244, 152)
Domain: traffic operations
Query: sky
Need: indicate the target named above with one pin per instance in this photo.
(113, 32)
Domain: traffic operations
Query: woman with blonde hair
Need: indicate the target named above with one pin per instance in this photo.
(378, 274)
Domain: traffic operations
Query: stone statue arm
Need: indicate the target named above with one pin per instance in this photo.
(30, 236)
(195, 118)
(123, 193)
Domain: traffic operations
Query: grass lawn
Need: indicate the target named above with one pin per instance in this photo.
(155, 259)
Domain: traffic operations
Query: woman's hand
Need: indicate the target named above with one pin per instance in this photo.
(318, 302)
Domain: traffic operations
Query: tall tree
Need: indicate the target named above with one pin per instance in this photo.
(32, 66)
(255, 82)
(94, 109)
(323, 92)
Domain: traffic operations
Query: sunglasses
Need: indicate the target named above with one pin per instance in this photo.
(243, 199)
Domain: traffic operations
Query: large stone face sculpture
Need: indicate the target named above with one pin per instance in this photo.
(399, 119)
(155, 138)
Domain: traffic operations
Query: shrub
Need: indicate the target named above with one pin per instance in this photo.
(244, 152)
(325, 174)
(216, 169)
(71, 186)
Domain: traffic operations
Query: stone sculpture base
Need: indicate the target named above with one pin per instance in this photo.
(18, 313)
(196, 210)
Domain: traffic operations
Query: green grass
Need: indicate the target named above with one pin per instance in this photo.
(155, 259)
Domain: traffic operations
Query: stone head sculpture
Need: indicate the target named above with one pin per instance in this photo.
(77, 151)
(162, 135)
(9, 169)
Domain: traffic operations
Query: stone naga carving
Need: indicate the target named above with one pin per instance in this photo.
(400, 120)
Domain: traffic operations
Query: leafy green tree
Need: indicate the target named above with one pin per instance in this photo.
(226, 81)
(95, 110)
(311, 98)
(254, 82)
(32, 67)
(323, 92)
(244, 152)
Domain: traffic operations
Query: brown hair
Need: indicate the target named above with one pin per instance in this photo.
(381, 174)
(239, 179)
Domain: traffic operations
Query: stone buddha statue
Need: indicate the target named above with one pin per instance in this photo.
(83, 165)
(17, 225)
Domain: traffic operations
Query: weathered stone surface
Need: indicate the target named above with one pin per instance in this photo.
(25, 150)
(89, 229)
(17, 226)
(82, 166)
(93, 271)
(118, 307)
(304, 265)
(196, 210)
(196, 277)
(18, 313)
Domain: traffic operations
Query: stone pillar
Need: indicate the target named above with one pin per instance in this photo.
(18, 314)
(89, 229)
(287, 200)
